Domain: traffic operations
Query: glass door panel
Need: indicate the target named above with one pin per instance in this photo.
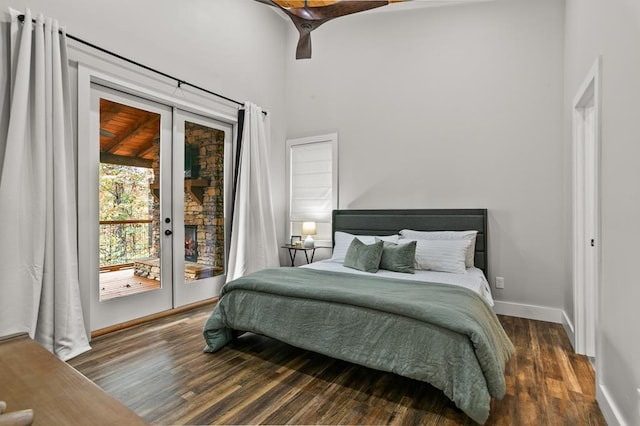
(203, 146)
(131, 150)
(129, 200)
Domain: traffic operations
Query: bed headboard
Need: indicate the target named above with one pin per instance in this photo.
(387, 222)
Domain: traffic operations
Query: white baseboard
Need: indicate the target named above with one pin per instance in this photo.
(568, 328)
(539, 313)
(608, 407)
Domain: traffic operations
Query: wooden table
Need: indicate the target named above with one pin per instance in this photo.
(32, 377)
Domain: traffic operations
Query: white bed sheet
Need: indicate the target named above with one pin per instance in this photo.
(474, 279)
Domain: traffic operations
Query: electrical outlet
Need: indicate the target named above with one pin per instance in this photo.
(499, 282)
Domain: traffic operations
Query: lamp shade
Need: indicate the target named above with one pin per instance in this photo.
(308, 228)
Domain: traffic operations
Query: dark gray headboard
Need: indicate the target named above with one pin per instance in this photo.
(387, 222)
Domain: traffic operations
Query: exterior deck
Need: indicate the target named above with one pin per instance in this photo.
(124, 283)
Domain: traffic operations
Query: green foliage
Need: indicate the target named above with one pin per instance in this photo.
(124, 192)
(125, 195)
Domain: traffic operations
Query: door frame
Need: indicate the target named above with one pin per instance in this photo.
(121, 78)
(586, 296)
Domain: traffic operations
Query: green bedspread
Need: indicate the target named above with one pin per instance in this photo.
(441, 334)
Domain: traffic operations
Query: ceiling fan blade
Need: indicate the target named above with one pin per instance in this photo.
(343, 8)
(307, 18)
(304, 46)
(330, 11)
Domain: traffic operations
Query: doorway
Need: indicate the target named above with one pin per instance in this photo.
(586, 244)
(159, 206)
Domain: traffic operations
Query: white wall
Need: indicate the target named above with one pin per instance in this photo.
(208, 43)
(458, 106)
(232, 47)
(612, 28)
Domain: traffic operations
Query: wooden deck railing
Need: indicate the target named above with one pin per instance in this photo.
(123, 241)
(125, 222)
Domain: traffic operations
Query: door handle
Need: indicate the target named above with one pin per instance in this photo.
(168, 232)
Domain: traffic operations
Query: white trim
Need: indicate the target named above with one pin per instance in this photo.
(592, 75)
(608, 407)
(533, 312)
(585, 301)
(120, 75)
(87, 197)
(116, 83)
(568, 328)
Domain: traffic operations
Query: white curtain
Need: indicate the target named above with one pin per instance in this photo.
(253, 235)
(39, 290)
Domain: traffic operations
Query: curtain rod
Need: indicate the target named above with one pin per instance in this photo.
(148, 68)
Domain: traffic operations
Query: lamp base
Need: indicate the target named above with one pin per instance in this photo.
(308, 242)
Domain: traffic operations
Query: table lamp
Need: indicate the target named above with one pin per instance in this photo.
(309, 228)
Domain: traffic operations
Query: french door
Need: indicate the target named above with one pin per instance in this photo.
(158, 204)
(204, 146)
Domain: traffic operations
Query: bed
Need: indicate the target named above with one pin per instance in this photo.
(433, 327)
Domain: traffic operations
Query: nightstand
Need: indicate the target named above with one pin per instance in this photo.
(293, 250)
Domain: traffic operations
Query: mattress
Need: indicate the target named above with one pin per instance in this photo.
(474, 279)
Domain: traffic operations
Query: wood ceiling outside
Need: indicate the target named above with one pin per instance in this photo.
(313, 3)
(127, 134)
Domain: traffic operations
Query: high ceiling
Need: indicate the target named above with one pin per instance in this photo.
(127, 134)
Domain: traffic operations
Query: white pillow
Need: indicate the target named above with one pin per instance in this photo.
(446, 235)
(343, 240)
(442, 255)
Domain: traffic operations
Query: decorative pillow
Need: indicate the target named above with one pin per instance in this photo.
(363, 257)
(445, 235)
(398, 257)
(342, 240)
(442, 255)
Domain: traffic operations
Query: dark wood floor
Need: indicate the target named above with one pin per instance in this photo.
(159, 370)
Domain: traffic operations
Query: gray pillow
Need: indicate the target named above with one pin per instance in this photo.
(363, 257)
(398, 257)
